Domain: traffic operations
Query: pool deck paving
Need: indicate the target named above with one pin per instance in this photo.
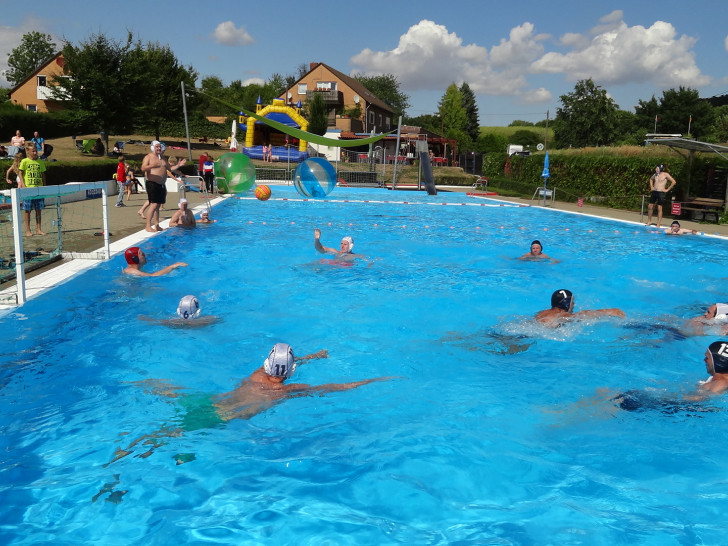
(127, 229)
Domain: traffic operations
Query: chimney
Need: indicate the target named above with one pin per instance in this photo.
(311, 66)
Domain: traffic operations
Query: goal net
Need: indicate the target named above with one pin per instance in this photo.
(42, 225)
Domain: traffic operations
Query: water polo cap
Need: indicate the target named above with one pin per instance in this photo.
(537, 242)
(154, 143)
(675, 223)
(721, 311)
(189, 308)
(280, 361)
(132, 255)
(350, 241)
(719, 352)
(661, 167)
(563, 299)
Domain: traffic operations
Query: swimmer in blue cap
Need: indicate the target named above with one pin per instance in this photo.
(536, 253)
(562, 310)
(716, 364)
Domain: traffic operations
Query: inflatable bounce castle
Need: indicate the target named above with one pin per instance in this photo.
(258, 135)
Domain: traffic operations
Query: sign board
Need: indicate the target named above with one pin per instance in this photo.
(676, 209)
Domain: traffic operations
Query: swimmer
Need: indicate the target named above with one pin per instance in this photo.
(344, 254)
(182, 217)
(188, 315)
(536, 253)
(136, 259)
(205, 218)
(715, 320)
(716, 364)
(675, 229)
(562, 310)
(262, 390)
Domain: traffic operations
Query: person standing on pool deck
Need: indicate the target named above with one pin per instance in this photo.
(136, 259)
(31, 174)
(155, 167)
(562, 310)
(658, 189)
(344, 253)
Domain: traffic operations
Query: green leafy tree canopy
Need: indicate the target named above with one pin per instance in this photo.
(386, 88)
(587, 117)
(35, 48)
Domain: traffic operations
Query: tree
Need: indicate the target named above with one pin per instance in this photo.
(317, 115)
(521, 123)
(101, 83)
(472, 126)
(587, 117)
(525, 137)
(159, 85)
(386, 88)
(35, 48)
(683, 111)
(452, 113)
(430, 122)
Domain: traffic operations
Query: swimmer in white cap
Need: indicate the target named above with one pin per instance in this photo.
(182, 217)
(344, 254)
(675, 229)
(262, 390)
(562, 310)
(713, 322)
(155, 166)
(189, 315)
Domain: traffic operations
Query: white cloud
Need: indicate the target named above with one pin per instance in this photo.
(10, 39)
(226, 33)
(614, 53)
(536, 96)
(256, 81)
(428, 57)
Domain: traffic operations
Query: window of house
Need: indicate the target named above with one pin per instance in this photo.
(380, 119)
(371, 117)
(326, 86)
(389, 122)
(302, 88)
(42, 81)
(31, 107)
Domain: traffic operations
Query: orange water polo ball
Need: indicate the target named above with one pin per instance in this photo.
(262, 192)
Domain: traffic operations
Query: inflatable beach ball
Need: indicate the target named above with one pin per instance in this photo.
(263, 192)
(238, 172)
(314, 177)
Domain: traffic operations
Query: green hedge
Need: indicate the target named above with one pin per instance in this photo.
(62, 172)
(597, 176)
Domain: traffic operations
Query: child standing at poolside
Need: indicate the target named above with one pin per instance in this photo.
(32, 175)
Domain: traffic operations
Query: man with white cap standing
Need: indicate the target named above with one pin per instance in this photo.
(155, 167)
(183, 216)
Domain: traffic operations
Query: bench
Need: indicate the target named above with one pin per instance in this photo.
(702, 207)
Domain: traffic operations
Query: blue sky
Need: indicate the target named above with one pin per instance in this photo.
(518, 57)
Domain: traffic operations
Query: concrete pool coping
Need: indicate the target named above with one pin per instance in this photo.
(128, 230)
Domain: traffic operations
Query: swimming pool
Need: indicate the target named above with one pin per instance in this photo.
(490, 432)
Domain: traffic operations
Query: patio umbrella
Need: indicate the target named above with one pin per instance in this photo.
(233, 140)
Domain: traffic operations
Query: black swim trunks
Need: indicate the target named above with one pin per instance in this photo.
(157, 193)
(657, 197)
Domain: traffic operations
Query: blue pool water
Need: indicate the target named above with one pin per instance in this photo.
(493, 430)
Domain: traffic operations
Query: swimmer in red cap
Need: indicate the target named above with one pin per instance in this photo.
(136, 259)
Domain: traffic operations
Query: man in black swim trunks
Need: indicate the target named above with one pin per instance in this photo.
(155, 166)
(658, 189)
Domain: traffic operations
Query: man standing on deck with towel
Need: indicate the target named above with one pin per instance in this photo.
(658, 189)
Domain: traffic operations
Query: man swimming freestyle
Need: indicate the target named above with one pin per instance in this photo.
(562, 310)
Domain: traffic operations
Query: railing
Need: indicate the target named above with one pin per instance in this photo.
(330, 97)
